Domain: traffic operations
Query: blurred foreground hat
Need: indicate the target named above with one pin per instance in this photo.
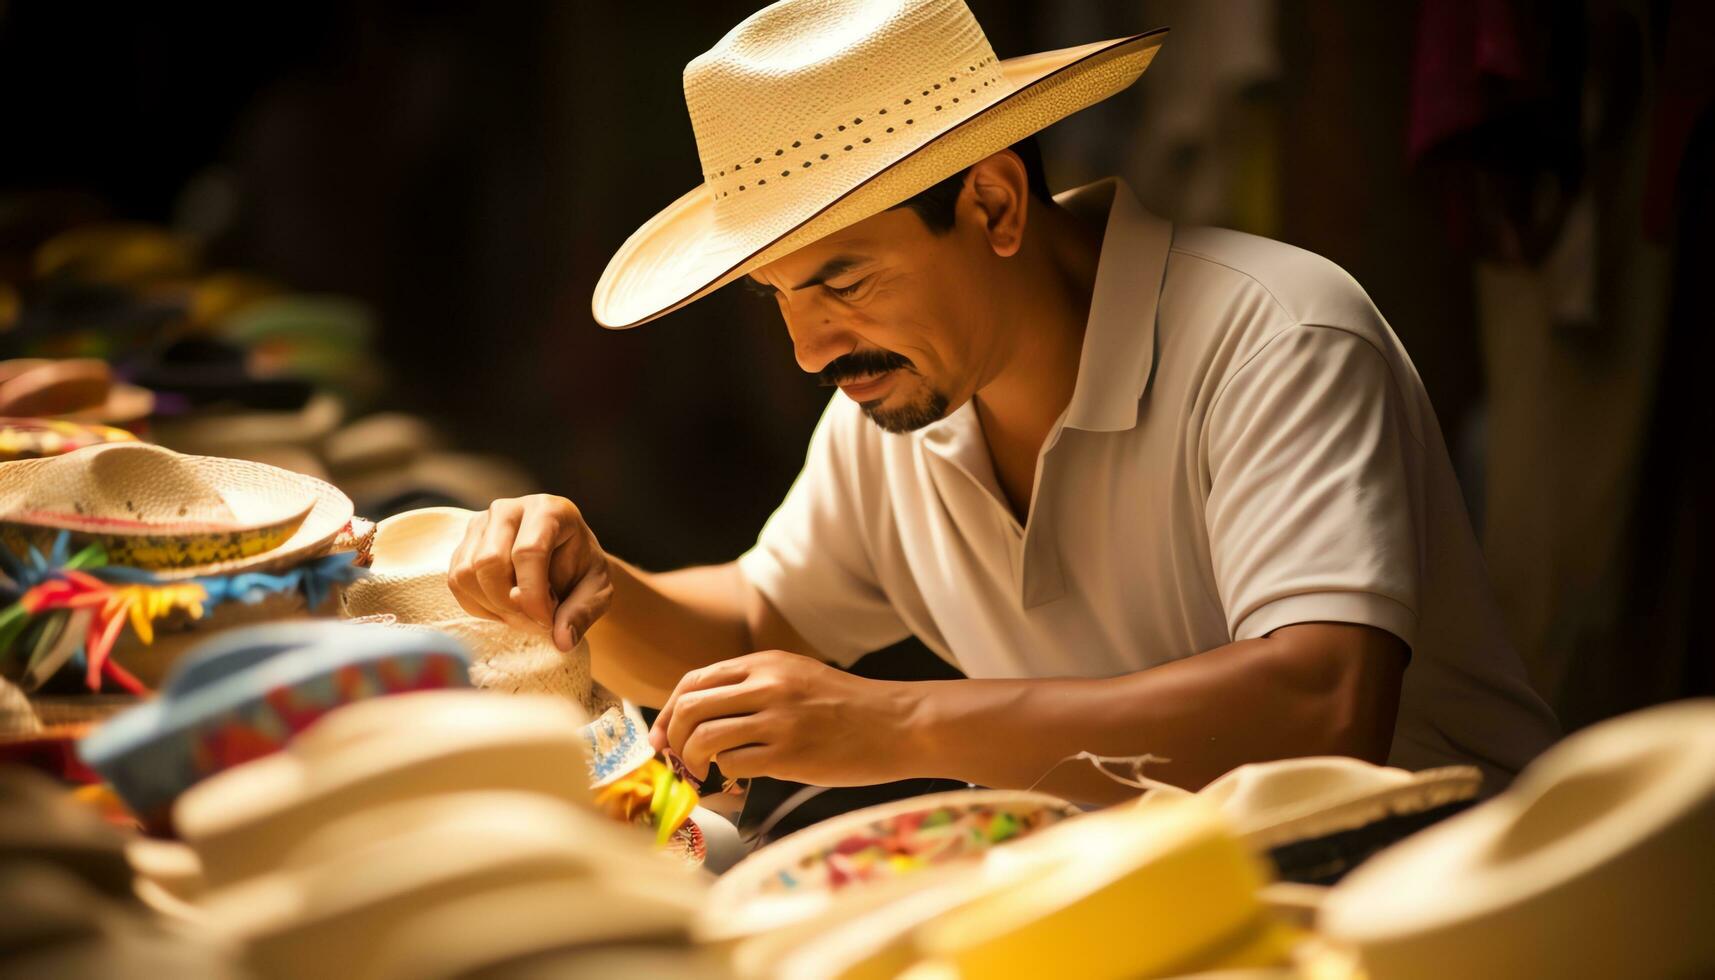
(1123, 893)
(66, 889)
(1320, 816)
(243, 821)
(812, 115)
(245, 693)
(180, 516)
(338, 898)
(408, 579)
(1598, 861)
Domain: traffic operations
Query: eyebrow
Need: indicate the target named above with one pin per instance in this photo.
(835, 266)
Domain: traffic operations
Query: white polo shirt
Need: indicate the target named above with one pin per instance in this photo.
(1247, 447)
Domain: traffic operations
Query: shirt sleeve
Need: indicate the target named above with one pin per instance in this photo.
(813, 559)
(1310, 510)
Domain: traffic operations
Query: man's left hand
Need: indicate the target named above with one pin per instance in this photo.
(791, 717)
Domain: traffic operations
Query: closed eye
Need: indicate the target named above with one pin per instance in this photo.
(846, 292)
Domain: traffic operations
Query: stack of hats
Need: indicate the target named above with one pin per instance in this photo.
(1598, 861)
(1163, 891)
(117, 556)
(406, 584)
(115, 327)
(433, 834)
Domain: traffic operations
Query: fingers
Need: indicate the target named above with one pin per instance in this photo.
(715, 675)
(747, 761)
(699, 707)
(493, 562)
(721, 737)
(539, 533)
(591, 594)
(461, 574)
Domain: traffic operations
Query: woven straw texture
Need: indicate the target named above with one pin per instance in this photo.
(408, 580)
(268, 517)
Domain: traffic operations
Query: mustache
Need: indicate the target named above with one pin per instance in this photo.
(861, 364)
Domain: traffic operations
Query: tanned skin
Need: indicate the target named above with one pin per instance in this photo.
(990, 311)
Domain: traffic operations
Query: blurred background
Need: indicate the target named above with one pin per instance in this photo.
(407, 205)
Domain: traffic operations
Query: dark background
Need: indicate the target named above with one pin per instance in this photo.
(466, 169)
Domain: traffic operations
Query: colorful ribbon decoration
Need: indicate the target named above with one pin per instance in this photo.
(62, 584)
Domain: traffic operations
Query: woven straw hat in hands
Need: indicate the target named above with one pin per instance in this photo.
(408, 581)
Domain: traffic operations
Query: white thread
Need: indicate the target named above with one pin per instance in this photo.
(1137, 781)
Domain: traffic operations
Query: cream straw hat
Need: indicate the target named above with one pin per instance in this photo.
(378, 752)
(408, 580)
(1598, 861)
(180, 516)
(812, 115)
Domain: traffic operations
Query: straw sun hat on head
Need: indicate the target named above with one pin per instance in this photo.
(812, 115)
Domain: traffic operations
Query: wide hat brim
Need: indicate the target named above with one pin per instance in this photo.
(684, 253)
(319, 510)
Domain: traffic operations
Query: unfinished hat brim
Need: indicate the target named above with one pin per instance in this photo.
(685, 253)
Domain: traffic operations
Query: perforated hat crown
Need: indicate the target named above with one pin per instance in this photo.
(815, 114)
(816, 91)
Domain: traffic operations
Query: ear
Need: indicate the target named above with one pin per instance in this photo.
(998, 194)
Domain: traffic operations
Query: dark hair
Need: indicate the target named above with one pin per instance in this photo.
(935, 205)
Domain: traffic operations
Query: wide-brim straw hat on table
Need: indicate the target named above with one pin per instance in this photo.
(408, 580)
(1598, 861)
(179, 516)
(812, 115)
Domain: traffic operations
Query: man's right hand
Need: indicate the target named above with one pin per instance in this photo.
(532, 563)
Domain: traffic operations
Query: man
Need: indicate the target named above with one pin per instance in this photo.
(1158, 491)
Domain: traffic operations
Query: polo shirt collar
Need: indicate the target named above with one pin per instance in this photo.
(1119, 338)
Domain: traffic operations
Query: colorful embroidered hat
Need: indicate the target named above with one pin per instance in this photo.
(242, 821)
(801, 876)
(246, 693)
(408, 580)
(180, 516)
(1598, 861)
(30, 438)
(812, 115)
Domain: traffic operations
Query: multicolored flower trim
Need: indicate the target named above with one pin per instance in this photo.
(651, 795)
(910, 841)
(65, 586)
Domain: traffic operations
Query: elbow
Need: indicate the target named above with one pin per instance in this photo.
(1350, 677)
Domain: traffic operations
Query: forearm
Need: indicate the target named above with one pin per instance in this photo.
(662, 624)
(1245, 702)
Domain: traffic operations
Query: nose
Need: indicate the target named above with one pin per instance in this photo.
(817, 337)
